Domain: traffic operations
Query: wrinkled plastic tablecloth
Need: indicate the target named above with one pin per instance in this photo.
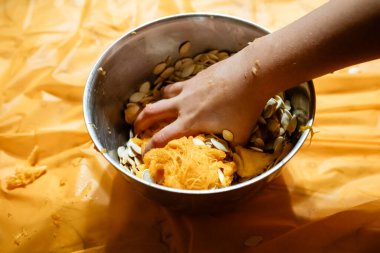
(326, 200)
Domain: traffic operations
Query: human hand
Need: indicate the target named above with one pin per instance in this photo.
(228, 96)
(224, 96)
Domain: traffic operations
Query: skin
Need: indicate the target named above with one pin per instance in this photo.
(229, 95)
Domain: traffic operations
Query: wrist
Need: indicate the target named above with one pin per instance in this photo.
(257, 71)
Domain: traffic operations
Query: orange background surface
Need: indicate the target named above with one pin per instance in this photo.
(326, 200)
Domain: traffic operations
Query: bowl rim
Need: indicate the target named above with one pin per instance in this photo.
(92, 131)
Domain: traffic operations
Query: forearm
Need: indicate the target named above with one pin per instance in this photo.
(338, 34)
(231, 94)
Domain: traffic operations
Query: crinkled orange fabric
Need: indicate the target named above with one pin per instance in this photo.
(326, 200)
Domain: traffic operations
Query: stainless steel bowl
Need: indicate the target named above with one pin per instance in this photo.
(130, 60)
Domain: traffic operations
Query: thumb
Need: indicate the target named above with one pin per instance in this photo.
(172, 131)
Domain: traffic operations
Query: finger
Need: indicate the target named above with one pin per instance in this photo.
(153, 113)
(172, 131)
(172, 90)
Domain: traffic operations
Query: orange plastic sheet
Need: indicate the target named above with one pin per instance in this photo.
(326, 200)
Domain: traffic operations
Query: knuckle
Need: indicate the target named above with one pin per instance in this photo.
(172, 89)
(181, 127)
(158, 139)
(149, 110)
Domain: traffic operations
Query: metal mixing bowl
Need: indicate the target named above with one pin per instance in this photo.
(130, 60)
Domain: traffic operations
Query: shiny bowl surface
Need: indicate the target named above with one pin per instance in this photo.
(129, 61)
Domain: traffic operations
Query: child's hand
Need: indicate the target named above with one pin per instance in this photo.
(229, 96)
(221, 97)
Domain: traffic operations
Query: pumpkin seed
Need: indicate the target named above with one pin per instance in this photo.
(255, 128)
(159, 68)
(208, 144)
(136, 97)
(214, 52)
(168, 60)
(285, 119)
(227, 135)
(167, 72)
(288, 106)
(198, 68)
(257, 149)
(186, 60)
(130, 151)
(204, 58)
(280, 102)
(212, 56)
(185, 63)
(135, 170)
(184, 48)
(145, 87)
(137, 161)
(197, 57)
(120, 151)
(282, 95)
(278, 144)
(177, 79)
(156, 89)
(273, 125)
(158, 80)
(131, 112)
(292, 125)
(219, 145)
(124, 157)
(270, 108)
(131, 161)
(258, 142)
(198, 142)
(188, 70)
(262, 120)
(136, 148)
(147, 177)
(221, 177)
(178, 65)
(222, 55)
(288, 113)
(131, 134)
(147, 100)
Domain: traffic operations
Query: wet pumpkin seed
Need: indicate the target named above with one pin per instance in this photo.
(219, 145)
(159, 68)
(168, 60)
(258, 142)
(167, 72)
(221, 177)
(227, 135)
(184, 49)
(136, 97)
(131, 112)
(198, 142)
(146, 176)
(188, 70)
(145, 87)
(278, 144)
(292, 125)
(222, 55)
